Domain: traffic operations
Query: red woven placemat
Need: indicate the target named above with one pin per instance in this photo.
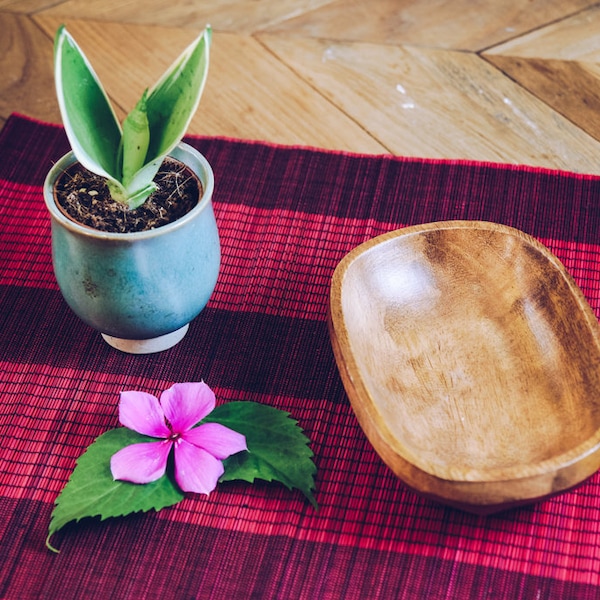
(286, 217)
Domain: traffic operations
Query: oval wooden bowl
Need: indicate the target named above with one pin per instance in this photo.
(472, 362)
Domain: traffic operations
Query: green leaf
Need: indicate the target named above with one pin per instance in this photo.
(277, 448)
(135, 140)
(92, 492)
(174, 98)
(277, 451)
(89, 119)
(94, 132)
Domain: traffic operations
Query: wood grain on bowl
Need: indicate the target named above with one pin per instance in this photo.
(472, 361)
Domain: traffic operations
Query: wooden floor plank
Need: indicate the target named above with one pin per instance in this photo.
(572, 39)
(560, 64)
(461, 24)
(27, 6)
(331, 73)
(249, 94)
(224, 15)
(27, 82)
(433, 103)
(570, 88)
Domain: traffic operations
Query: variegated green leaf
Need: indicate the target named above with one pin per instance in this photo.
(173, 100)
(88, 117)
(94, 132)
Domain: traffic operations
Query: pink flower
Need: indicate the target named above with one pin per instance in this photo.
(199, 451)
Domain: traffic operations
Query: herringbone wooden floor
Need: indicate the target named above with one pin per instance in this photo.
(515, 81)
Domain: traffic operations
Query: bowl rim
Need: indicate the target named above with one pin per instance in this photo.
(347, 364)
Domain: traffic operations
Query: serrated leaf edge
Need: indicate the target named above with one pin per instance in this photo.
(282, 478)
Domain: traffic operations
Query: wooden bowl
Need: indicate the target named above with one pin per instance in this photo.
(472, 362)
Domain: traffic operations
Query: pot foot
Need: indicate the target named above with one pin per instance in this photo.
(157, 344)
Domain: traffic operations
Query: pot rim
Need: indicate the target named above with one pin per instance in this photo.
(183, 152)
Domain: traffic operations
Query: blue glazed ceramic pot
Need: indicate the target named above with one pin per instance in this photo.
(142, 289)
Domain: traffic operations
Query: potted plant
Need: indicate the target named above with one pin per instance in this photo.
(135, 246)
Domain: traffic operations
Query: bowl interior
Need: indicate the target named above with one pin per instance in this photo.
(471, 353)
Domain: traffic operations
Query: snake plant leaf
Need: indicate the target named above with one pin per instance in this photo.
(161, 117)
(174, 98)
(90, 122)
(135, 140)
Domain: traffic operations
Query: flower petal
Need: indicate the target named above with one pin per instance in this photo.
(141, 463)
(196, 470)
(142, 412)
(185, 404)
(217, 439)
